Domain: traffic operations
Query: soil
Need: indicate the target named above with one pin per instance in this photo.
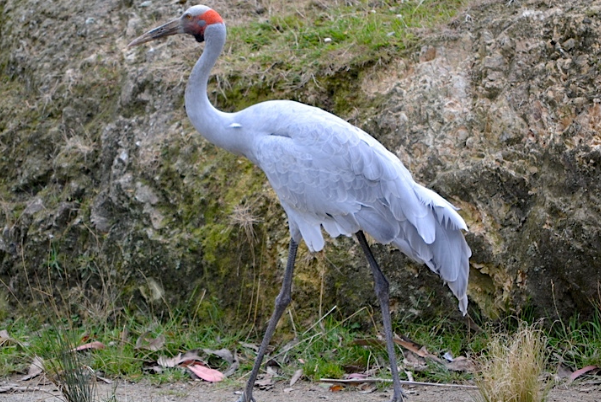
(302, 391)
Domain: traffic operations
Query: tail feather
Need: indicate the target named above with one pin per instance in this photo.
(448, 254)
(445, 212)
(450, 259)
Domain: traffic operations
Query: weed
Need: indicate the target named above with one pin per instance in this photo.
(512, 367)
(68, 369)
(577, 343)
(332, 348)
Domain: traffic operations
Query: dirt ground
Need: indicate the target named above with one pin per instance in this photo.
(301, 392)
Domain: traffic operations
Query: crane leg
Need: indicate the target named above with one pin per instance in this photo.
(381, 285)
(281, 302)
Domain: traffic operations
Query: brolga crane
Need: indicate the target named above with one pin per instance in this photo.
(327, 174)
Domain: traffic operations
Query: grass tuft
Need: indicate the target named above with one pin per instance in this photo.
(577, 343)
(67, 369)
(512, 367)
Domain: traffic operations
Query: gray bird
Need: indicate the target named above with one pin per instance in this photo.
(327, 174)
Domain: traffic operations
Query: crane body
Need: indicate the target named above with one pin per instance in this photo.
(327, 174)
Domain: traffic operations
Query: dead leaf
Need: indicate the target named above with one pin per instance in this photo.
(207, 374)
(417, 349)
(190, 357)
(35, 369)
(233, 367)
(358, 376)
(581, 372)
(288, 346)
(152, 368)
(412, 346)
(169, 362)
(414, 362)
(296, 376)
(223, 353)
(365, 388)
(359, 379)
(146, 342)
(103, 379)
(336, 388)
(563, 371)
(265, 383)
(6, 339)
(461, 364)
(194, 363)
(92, 345)
(250, 346)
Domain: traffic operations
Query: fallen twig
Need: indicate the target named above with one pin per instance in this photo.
(373, 380)
(16, 388)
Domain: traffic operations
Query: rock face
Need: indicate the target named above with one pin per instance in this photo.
(108, 195)
(502, 114)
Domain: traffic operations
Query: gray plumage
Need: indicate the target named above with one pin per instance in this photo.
(328, 174)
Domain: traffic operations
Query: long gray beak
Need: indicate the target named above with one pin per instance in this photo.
(171, 28)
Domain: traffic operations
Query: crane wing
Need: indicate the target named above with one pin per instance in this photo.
(328, 173)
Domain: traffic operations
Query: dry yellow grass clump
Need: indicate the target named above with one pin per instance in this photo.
(511, 370)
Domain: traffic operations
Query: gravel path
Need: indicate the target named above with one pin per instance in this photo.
(301, 392)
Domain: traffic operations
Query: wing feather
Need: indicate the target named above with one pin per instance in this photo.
(328, 173)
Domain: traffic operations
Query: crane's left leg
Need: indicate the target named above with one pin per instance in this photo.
(381, 285)
(281, 302)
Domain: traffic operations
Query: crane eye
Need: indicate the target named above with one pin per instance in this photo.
(188, 16)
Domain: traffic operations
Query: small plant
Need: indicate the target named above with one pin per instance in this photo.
(577, 342)
(512, 368)
(67, 370)
(333, 348)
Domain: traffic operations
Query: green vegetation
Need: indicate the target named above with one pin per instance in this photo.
(324, 49)
(68, 369)
(329, 348)
(577, 343)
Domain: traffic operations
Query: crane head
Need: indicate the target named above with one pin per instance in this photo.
(193, 22)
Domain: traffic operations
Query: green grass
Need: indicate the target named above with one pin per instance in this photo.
(66, 368)
(330, 348)
(577, 343)
(362, 29)
(120, 358)
(311, 45)
(330, 351)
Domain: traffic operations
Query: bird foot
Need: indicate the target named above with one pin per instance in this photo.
(399, 396)
(243, 398)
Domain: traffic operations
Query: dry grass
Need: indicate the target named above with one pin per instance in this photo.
(512, 368)
(243, 216)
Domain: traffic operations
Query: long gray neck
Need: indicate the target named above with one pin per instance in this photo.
(211, 123)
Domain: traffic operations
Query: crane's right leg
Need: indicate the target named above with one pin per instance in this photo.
(281, 302)
(381, 285)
